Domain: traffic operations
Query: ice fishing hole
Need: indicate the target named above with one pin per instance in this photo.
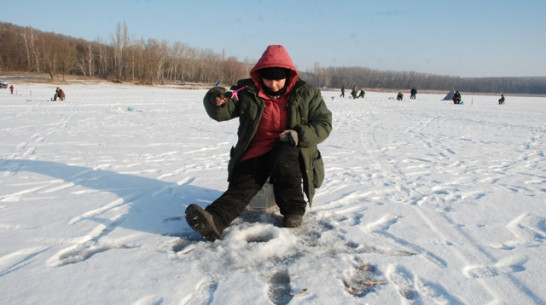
(262, 237)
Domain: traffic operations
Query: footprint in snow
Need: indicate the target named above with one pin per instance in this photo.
(403, 280)
(436, 292)
(83, 252)
(203, 293)
(509, 264)
(363, 280)
(279, 288)
(416, 291)
(528, 229)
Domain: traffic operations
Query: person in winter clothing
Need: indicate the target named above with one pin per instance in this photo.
(11, 88)
(282, 119)
(59, 94)
(413, 93)
(361, 94)
(342, 91)
(501, 100)
(457, 97)
(353, 92)
(399, 96)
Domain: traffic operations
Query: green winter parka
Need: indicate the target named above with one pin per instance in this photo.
(307, 115)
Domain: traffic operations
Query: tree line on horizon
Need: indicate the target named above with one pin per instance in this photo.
(25, 49)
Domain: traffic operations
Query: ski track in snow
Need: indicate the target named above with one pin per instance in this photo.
(125, 194)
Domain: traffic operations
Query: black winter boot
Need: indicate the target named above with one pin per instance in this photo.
(292, 221)
(202, 222)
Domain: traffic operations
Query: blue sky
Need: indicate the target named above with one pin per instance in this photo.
(462, 38)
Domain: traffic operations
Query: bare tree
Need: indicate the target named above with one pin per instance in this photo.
(28, 38)
(120, 43)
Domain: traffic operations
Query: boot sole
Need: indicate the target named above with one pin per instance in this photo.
(202, 222)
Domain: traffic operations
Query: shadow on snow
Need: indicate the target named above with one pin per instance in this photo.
(155, 206)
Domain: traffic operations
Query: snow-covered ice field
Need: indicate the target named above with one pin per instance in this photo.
(424, 202)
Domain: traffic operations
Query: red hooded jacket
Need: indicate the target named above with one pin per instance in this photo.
(274, 117)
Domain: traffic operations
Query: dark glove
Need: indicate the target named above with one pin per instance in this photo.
(290, 136)
(218, 96)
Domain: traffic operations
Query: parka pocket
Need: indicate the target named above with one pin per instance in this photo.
(318, 171)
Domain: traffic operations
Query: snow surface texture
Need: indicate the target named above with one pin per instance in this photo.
(424, 202)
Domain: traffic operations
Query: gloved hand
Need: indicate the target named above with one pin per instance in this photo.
(219, 96)
(290, 136)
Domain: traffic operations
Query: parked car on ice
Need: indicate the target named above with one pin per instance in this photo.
(3, 84)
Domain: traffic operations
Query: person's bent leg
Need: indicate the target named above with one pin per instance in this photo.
(286, 178)
(247, 180)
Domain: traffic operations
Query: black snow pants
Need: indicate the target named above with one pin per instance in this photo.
(281, 165)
